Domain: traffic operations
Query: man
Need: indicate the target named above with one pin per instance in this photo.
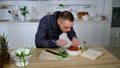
(51, 26)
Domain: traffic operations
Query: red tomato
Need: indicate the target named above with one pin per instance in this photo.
(73, 48)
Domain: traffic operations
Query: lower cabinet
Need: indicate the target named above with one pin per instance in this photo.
(93, 33)
(3, 28)
(23, 34)
(20, 34)
(16, 35)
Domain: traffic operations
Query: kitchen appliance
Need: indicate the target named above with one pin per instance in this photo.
(116, 17)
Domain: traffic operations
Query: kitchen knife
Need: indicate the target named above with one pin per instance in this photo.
(54, 53)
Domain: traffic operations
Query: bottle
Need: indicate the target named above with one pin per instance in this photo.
(84, 46)
(16, 17)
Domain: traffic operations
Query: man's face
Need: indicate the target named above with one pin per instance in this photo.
(65, 25)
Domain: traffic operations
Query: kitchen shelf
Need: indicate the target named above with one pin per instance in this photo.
(84, 5)
(6, 6)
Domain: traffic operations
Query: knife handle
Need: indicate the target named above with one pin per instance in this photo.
(52, 52)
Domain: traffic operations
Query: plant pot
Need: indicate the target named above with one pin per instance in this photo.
(1, 64)
(5, 57)
(19, 61)
(23, 18)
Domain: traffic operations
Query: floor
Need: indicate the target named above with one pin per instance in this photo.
(114, 47)
(115, 51)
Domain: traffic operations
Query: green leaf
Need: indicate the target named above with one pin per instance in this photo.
(21, 9)
(3, 42)
(63, 54)
(61, 5)
(24, 10)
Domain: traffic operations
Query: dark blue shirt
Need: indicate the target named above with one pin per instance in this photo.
(49, 31)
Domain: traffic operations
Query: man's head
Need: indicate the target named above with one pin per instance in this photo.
(65, 21)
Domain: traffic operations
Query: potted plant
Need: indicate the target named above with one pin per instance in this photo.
(61, 5)
(4, 49)
(21, 56)
(24, 11)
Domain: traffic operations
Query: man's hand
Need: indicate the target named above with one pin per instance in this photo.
(75, 41)
(61, 42)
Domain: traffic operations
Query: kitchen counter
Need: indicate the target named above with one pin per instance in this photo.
(27, 21)
(90, 21)
(37, 21)
(105, 61)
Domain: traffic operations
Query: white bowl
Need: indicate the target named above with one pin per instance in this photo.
(86, 17)
(19, 61)
(73, 53)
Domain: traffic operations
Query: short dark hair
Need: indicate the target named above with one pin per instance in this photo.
(66, 15)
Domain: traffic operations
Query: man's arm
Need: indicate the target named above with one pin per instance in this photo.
(40, 37)
(71, 34)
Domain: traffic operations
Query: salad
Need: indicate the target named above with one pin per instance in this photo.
(74, 48)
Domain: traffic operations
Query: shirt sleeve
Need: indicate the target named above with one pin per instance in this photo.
(71, 34)
(40, 37)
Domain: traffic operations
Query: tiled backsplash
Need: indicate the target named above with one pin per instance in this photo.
(38, 9)
(116, 3)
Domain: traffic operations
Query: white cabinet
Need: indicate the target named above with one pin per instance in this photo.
(95, 32)
(23, 34)
(3, 28)
(31, 29)
(19, 34)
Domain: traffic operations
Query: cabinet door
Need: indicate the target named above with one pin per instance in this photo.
(22, 35)
(30, 31)
(17, 35)
(101, 33)
(93, 33)
(84, 32)
(3, 28)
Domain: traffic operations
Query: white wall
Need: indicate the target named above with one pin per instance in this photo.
(40, 8)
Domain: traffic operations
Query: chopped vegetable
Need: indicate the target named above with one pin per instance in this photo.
(84, 48)
(63, 55)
